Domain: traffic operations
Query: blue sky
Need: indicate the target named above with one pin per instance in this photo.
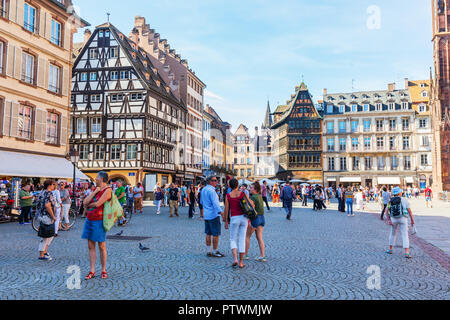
(249, 51)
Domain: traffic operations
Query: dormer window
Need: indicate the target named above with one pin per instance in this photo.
(354, 107)
(405, 105)
(422, 85)
(342, 108)
(422, 108)
(424, 94)
(330, 108)
(366, 107)
(391, 106)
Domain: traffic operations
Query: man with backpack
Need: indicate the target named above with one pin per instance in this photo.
(428, 196)
(397, 212)
(288, 196)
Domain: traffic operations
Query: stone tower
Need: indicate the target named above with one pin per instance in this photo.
(440, 95)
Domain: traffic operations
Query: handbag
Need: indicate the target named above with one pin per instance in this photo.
(247, 208)
(46, 230)
(112, 210)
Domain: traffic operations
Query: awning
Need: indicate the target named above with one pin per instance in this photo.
(350, 179)
(331, 179)
(389, 180)
(409, 180)
(16, 164)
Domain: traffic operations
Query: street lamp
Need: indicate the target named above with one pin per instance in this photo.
(74, 158)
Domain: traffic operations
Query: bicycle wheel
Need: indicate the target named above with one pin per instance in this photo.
(128, 213)
(72, 218)
(35, 222)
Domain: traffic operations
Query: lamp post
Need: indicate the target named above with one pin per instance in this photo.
(74, 158)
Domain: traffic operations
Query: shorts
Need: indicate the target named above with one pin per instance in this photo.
(260, 221)
(213, 227)
(427, 198)
(94, 231)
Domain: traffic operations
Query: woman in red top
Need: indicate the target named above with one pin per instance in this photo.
(93, 227)
(238, 222)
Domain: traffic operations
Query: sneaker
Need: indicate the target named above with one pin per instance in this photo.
(217, 254)
(209, 254)
(246, 257)
(261, 259)
(47, 255)
(45, 258)
(27, 222)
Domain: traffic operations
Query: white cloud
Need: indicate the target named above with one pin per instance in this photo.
(214, 96)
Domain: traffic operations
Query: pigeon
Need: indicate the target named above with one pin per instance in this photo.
(120, 233)
(143, 248)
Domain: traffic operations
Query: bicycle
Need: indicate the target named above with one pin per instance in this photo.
(35, 222)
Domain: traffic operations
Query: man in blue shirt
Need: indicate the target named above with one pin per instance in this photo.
(287, 194)
(212, 212)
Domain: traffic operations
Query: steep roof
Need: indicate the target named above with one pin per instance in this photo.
(241, 130)
(268, 119)
(141, 63)
(415, 90)
(298, 90)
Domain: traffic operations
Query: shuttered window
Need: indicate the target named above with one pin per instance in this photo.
(54, 79)
(28, 68)
(24, 125)
(52, 128)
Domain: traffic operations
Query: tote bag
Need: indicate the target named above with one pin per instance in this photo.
(112, 210)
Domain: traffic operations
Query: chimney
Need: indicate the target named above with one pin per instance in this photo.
(87, 35)
(406, 83)
(325, 91)
(139, 22)
(391, 87)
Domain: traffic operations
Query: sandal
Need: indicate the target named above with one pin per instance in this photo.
(234, 265)
(388, 251)
(104, 275)
(90, 276)
(242, 267)
(408, 256)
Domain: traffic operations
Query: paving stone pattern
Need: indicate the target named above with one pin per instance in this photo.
(316, 256)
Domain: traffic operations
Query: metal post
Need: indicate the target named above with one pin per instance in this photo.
(73, 186)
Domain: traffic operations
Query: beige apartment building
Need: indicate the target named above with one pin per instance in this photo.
(243, 153)
(35, 72)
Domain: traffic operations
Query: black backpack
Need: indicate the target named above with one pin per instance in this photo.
(396, 209)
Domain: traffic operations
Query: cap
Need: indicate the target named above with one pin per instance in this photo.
(396, 191)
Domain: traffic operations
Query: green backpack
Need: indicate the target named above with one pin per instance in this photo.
(111, 211)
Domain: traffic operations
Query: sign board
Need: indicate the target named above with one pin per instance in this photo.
(131, 174)
(150, 182)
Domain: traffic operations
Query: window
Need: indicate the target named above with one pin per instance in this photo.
(343, 164)
(115, 152)
(355, 144)
(113, 52)
(355, 163)
(329, 108)
(242, 172)
(86, 98)
(368, 163)
(405, 124)
(131, 152)
(392, 125)
(405, 143)
(249, 172)
(380, 143)
(381, 163)
(424, 94)
(394, 163)
(24, 125)
(330, 127)
(124, 74)
(380, 125)
(354, 125)
(84, 152)
(93, 53)
(28, 68)
(114, 75)
(29, 21)
(56, 33)
(93, 76)
(422, 123)
(96, 98)
(342, 144)
(367, 143)
(379, 106)
(136, 96)
(423, 159)
(96, 125)
(83, 76)
(54, 79)
(331, 144)
(392, 143)
(52, 128)
(99, 152)
(81, 125)
(366, 107)
(354, 107)
(367, 125)
(391, 106)
(405, 105)
(342, 108)
(422, 108)
(407, 163)
(331, 164)
(4, 6)
(2, 57)
(425, 141)
(2, 106)
(342, 128)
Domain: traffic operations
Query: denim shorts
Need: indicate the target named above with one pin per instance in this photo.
(213, 227)
(260, 221)
(94, 231)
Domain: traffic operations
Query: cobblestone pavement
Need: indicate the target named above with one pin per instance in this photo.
(316, 256)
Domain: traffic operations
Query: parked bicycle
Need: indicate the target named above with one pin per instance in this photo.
(35, 220)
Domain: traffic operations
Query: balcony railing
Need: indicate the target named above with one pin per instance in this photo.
(305, 147)
(304, 130)
(305, 165)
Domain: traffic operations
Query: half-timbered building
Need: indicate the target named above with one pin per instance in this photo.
(297, 138)
(125, 117)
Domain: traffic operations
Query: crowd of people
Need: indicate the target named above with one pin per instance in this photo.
(53, 200)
